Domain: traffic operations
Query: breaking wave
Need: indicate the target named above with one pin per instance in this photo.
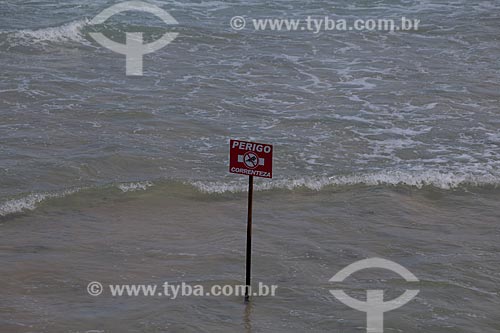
(32, 201)
(441, 180)
(131, 187)
(417, 179)
(71, 32)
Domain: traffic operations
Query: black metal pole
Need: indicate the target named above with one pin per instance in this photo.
(249, 238)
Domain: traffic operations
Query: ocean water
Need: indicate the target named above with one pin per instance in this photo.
(386, 144)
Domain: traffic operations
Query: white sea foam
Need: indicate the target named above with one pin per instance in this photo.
(418, 179)
(71, 31)
(30, 202)
(362, 83)
(130, 187)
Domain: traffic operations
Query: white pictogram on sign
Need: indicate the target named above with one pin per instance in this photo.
(251, 160)
(241, 159)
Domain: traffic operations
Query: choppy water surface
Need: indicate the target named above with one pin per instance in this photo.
(386, 144)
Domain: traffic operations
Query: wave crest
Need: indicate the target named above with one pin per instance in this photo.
(30, 202)
(132, 187)
(418, 179)
(69, 32)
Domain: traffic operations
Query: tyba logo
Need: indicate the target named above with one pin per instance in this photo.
(134, 49)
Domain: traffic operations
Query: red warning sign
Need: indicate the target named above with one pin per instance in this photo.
(251, 158)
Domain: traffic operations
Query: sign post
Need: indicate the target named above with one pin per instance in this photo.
(249, 239)
(252, 159)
